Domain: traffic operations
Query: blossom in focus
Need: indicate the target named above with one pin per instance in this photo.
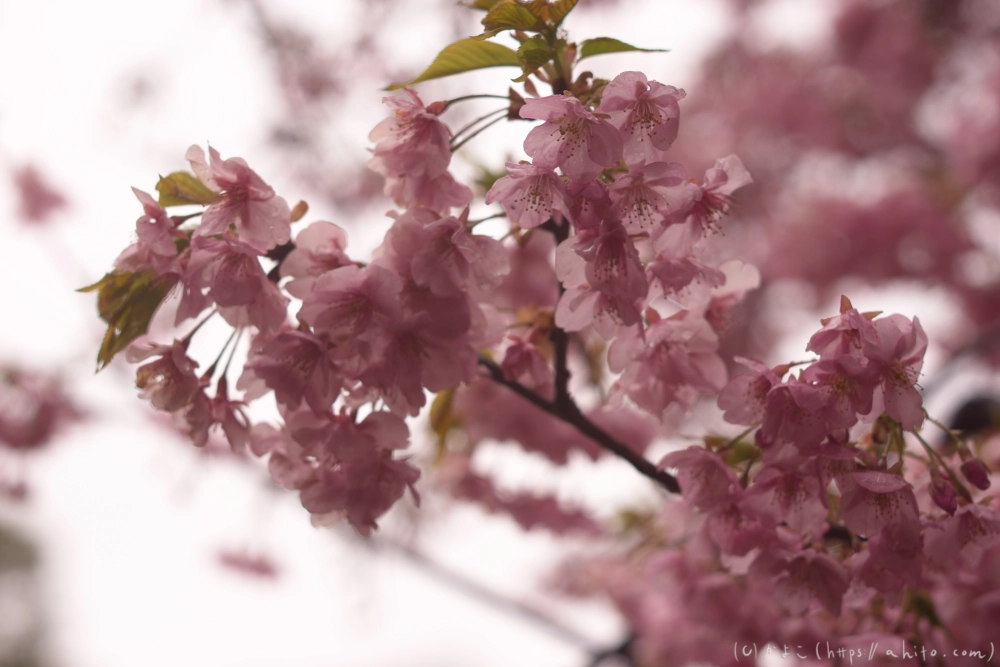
(262, 219)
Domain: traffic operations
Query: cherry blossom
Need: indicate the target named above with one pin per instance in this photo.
(645, 112)
(571, 138)
(530, 195)
(262, 219)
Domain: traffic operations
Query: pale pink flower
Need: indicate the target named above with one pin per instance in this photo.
(412, 142)
(439, 193)
(298, 366)
(809, 576)
(744, 398)
(652, 195)
(169, 383)
(231, 270)
(360, 490)
(842, 334)
(737, 527)
(705, 480)
(590, 204)
(523, 359)
(714, 197)
(870, 500)
(571, 138)
(677, 264)
(895, 355)
(414, 356)
(352, 303)
(319, 248)
(155, 248)
(262, 219)
(848, 384)
(645, 112)
(791, 496)
(444, 256)
(671, 361)
(794, 414)
(530, 194)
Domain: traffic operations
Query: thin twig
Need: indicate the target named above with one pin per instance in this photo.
(476, 133)
(571, 414)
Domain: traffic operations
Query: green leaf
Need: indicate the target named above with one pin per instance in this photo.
(127, 302)
(552, 13)
(485, 5)
(463, 56)
(509, 15)
(181, 189)
(601, 45)
(559, 9)
(532, 54)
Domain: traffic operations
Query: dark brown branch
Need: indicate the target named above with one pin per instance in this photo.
(571, 414)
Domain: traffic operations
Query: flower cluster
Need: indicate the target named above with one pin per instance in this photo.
(824, 527)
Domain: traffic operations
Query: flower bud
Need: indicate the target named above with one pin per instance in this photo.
(977, 473)
(942, 492)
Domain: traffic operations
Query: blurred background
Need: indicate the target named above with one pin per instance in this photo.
(872, 131)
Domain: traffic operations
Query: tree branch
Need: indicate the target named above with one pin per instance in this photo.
(571, 414)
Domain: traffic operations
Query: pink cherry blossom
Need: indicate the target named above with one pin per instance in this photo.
(298, 366)
(439, 193)
(810, 576)
(678, 262)
(744, 398)
(714, 198)
(871, 499)
(262, 219)
(896, 354)
(530, 195)
(155, 248)
(645, 112)
(319, 248)
(652, 195)
(706, 481)
(352, 303)
(444, 256)
(672, 360)
(794, 414)
(524, 359)
(236, 282)
(571, 137)
(169, 383)
(411, 142)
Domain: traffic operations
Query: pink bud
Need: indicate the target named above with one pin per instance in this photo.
(942, 492)
(977, 473)
(437, 107)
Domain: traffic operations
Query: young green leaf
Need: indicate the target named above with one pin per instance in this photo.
(601, 45)
(551, 12)
(509, 15)
(532, 54)
(127, 302)
(463, 56)
(182, 189)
